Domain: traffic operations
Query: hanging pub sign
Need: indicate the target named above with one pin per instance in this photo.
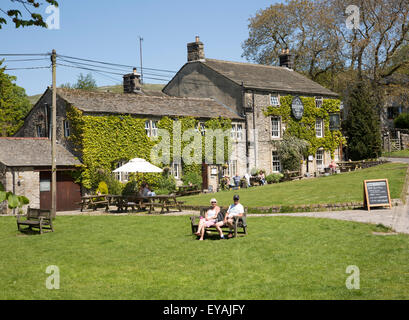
(297, 108)
(376, 194)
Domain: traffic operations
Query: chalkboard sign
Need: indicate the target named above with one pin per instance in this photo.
(376, 194)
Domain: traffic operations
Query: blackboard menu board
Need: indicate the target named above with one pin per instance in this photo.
(376, 193)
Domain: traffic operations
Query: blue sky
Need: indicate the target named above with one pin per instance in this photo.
(108, 30)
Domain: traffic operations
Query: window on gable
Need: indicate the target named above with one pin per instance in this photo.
(275, 100)
(67, 131)
(319, 101)
(319, 128)
(39, 130)
(276, 127)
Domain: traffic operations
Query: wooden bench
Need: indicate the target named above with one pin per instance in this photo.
(292, 175)
(239, 222)
(187, 191)
(36, 218)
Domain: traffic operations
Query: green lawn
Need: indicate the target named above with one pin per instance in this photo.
(339, 188)
(397, 154)
(156, 257)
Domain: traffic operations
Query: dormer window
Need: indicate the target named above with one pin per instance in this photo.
(275, 100)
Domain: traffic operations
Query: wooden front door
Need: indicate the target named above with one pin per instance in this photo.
(68, 192)
(205, 176)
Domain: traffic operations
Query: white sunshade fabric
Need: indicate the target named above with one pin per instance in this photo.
(138, 165)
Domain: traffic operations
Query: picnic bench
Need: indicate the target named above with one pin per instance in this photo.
(165, 202)
(36, 218)
(94, 201)
(239, 222)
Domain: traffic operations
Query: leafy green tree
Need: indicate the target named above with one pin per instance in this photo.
(34, 19)
(14, 104)
(362, 127)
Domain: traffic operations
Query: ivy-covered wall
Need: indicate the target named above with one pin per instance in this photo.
(104, 140)
(305, 128)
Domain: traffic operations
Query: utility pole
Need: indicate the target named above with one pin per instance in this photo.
(140, 51)
(53, 139)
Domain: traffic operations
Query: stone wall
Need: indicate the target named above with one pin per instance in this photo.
(23, 182)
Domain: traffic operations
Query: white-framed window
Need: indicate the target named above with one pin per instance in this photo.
(67, 131)
(236, 131)
(319, 128)
(319, 159)
(151, 128)
(276, 127)
(177, 170)
(200, 127)
(121, 176)
(232, 168)
(275, 100)
(319, 101)
(276, 162)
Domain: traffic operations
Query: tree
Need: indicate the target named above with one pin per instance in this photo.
(362, 127)
(316, 33)
(34, 19)
(291, 151)
(14, 104)
(85, 82)
(13, 200)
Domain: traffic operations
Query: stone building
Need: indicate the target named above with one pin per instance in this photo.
(148, 105)
(248, 89)
(25, 169)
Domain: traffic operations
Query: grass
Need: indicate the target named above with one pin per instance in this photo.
(397, 154)
(139, 257)
(339, 188)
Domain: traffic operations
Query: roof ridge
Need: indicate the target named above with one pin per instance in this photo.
(249, 63)
(24, 138)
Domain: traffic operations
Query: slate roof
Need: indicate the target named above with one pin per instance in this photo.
(270, 78)
(33, 152)
(143, 105)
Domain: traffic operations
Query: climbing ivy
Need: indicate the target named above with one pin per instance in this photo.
(105, 140)
(305, 128)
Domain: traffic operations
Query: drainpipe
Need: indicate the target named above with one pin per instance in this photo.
(14, 186)
(247, 128)
(254, 130)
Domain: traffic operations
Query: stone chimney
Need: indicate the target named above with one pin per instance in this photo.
(195, 50)
(132, 82)
(286, 59)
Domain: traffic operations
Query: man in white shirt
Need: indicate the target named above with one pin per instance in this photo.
(235, 210)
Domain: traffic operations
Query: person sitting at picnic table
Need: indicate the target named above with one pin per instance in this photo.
(147, 192)
(235, 210)
(209, 219)
(333, 166)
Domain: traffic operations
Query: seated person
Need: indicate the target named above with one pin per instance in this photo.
(235, 210)
(209, 219)
(262, 178)
(147, 192)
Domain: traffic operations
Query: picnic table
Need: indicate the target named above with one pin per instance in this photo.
(93, 201)
(150, 202)
(188, 190)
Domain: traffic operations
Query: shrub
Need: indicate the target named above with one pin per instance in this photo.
(254, 171)
(114, 186)
(274, 178)
(130, 188)
(291, 151)
(192, 177)
(402, 121)
(102, 188)
(166, 184)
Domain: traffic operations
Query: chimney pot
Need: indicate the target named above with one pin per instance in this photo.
(286, 59)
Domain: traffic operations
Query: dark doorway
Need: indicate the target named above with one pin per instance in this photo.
(68, 192)
(205, 176)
